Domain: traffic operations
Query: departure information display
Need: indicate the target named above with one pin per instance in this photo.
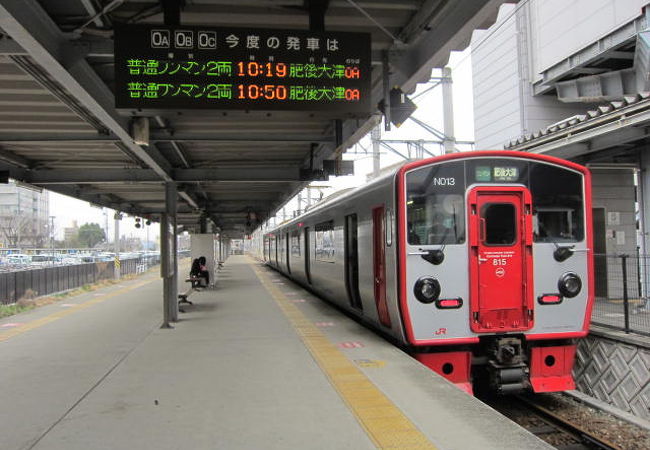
(158, 67)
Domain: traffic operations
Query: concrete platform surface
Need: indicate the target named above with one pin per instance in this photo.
(257, 363)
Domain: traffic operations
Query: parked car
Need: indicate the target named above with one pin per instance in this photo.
(45, 260)
(18, 259)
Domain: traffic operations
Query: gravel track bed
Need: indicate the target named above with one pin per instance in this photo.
(606, 426)
(619, 432)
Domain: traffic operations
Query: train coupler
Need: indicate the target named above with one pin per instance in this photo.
(509, 380)
(508, 373)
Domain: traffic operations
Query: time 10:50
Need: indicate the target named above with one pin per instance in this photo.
(268, 92)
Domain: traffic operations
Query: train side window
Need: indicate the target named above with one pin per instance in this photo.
(295, 243)
(324, 249)
(500, 224)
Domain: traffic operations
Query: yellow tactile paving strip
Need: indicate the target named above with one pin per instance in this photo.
(12, 332)
(384, 423)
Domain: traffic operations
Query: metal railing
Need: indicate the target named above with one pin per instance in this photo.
(30, 283)
(622, 284)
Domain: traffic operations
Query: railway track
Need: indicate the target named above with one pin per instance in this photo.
(547, 425)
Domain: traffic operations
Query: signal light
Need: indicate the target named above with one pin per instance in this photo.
(449, 303)
(427, 289)
(549, 299)
(569, 284)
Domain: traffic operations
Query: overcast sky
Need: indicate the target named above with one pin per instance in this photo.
(66, 209)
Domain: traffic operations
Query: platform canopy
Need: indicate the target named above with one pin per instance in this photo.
(60, 128)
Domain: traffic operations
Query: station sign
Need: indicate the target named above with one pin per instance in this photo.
(159, 67)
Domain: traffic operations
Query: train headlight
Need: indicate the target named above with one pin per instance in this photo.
(569, 284)
(427, 289)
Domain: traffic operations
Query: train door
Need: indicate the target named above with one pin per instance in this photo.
(379, 264)
(286, 249)
(276, 241)
(352, 261)
(307, 256)
(501, 270)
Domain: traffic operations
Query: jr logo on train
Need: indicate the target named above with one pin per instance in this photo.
(479, 264)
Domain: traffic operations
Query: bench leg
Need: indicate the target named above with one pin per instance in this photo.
(183, 299)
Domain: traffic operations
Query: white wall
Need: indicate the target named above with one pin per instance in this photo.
(495, 80)
(506, 60)
(562, 27)
(204, 245)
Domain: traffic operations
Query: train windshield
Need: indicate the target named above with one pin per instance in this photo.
(435, 199)
(557, 204)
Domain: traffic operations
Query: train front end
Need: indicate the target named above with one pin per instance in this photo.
(496, 268)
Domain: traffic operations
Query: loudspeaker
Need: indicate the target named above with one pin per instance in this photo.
(401, 107)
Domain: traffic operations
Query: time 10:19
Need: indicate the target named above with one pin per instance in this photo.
(254, 69)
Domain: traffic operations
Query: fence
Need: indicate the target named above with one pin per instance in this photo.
(18, 284)
(622, 284)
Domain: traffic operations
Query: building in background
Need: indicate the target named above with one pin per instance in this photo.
(24, 216)
(544, 61)
(70, 233)
(571, 79)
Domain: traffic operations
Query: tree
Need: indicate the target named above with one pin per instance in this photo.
(90, 234)
(14, 229)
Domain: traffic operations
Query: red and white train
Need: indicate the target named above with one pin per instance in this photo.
(479, 264)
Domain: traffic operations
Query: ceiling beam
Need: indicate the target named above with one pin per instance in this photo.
(161, 136)
(32, 28)
(189, 198)
(47, 137)
(91, 176)
(9, 47)
(15, 160)
(251, 136)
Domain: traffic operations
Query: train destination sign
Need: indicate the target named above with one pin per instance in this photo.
(159, 67)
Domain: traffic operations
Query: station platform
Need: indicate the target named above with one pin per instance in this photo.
(256, 363)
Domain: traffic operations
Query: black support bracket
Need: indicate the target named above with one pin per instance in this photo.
(172, 11)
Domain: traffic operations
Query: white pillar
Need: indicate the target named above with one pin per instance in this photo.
(375, 137)
(116, 236)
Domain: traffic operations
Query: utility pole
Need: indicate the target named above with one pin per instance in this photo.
(52, 237)
(106, 227)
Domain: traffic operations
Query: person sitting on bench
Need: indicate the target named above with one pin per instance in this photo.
(195, 273)
(203, 270)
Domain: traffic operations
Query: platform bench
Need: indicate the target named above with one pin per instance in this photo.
(182, 298)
